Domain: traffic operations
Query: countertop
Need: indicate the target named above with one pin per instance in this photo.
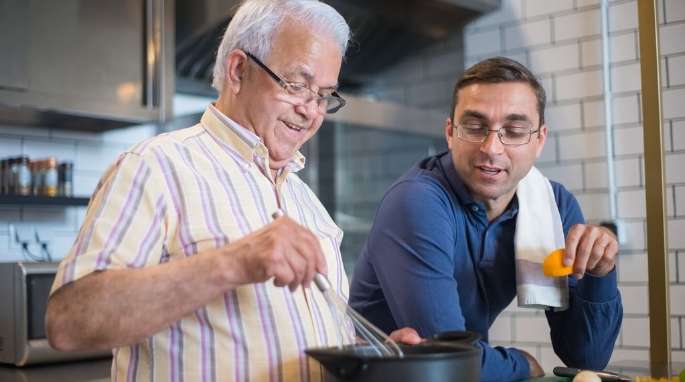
(81, 371)
(99, 371)
(95, 371)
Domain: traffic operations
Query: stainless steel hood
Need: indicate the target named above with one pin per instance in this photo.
(385, 32)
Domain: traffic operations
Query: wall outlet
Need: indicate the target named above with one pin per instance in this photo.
(44, 234)
(31, 240)
(21, 234)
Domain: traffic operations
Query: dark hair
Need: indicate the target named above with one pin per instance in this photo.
(497, 70)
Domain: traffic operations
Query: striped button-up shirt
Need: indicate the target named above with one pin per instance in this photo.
(184, 192)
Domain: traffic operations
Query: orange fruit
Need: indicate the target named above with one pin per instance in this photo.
(553, 266)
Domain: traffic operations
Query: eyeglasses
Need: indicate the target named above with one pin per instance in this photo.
(508, 135)
(301, 94)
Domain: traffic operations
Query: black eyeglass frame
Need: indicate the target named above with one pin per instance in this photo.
(499, 134)
(285, 85)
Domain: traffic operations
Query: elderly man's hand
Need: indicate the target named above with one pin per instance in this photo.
(283, 250)
(590, 249)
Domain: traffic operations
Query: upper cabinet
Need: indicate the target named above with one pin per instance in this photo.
(86, 65)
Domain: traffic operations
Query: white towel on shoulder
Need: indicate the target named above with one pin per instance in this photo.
(539, 231)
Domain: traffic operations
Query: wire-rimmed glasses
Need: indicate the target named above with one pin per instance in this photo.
(508, 135)
(301, 93)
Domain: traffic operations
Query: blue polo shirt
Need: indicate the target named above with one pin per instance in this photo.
(433, 262)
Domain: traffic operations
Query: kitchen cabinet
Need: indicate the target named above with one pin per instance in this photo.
(65, 61)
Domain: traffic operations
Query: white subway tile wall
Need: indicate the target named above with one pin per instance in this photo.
(631, 204)
(596, 175)
(627, 172)
(595, 205)
(555, 59)
(527, 33)
(633, 268)
(623, 47)
(676, 77)
(564, 117)
(583, 145)
(591, 52)
(623, 78)
(628, 141)
(678, 135)
(674, 10)
(626, 110)
(571, 26)
(570, 171)
(676, 339)
(593, 113)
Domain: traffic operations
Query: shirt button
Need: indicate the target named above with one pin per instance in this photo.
(475, 208)
(259, 150)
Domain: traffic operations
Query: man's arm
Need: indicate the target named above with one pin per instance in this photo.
(411, 246)
(113, 308)
(584, 335)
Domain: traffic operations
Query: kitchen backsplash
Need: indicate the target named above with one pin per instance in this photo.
(91, 153)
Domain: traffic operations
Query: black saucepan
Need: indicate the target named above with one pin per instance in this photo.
(446, 357)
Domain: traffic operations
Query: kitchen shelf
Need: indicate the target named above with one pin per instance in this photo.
(30, 200)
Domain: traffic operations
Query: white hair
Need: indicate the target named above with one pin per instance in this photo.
(255, 23)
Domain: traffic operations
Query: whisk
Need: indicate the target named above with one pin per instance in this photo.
(379, 343)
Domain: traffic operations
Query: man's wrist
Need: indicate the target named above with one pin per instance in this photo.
(598, 289)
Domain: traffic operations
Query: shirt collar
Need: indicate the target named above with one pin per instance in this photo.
(463, 193)
(242, 141)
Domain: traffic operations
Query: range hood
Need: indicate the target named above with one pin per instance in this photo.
(384, 33)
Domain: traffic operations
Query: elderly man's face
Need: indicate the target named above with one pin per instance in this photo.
(299, 55)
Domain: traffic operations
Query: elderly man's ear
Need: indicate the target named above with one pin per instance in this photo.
(236, 65)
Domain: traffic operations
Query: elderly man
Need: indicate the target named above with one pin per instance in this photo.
(179, 266)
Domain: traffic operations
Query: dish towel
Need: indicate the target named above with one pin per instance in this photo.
(539, 231)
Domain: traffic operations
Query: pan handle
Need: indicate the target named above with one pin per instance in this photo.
(341, 366)
(458, 336)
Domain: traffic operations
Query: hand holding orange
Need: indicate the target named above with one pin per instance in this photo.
(553, 266)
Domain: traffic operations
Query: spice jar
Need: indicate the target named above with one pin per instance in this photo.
(65, 184)
(36, 177)
(22, 180)
(4, 173)
(51, 177)
(11, 175)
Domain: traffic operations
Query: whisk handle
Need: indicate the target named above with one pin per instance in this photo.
(321, 282)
